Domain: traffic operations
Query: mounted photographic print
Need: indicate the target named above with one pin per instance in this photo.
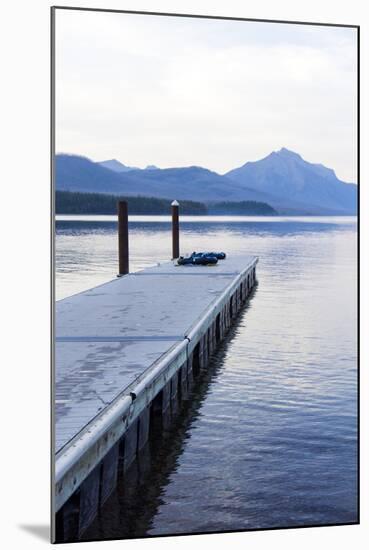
(205, 312)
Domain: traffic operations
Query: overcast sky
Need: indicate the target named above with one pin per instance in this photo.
(180, 91)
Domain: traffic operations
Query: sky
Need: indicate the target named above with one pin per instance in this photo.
(182, 91)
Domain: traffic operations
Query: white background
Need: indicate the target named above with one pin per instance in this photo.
(25, 240)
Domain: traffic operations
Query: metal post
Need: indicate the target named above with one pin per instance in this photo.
(123, 238)
(175, 230)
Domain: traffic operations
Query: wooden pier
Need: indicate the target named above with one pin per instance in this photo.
(124, 350)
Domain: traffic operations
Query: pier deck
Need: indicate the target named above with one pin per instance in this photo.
(118, 344)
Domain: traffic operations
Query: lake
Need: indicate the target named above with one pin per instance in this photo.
(269, 437)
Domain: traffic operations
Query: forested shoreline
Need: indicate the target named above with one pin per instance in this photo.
(71, 202)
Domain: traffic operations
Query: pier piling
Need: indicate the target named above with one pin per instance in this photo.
(175, 230)
(123, 238)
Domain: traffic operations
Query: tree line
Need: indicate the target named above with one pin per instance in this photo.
(242, 208)
(73, 202)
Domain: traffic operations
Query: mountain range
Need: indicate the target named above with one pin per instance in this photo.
(117, 166)
(282, 179)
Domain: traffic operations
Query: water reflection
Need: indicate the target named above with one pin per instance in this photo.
(86, 251)
(131, 509)
(271, 441)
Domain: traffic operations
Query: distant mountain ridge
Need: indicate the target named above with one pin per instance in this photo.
(75, 173)
(283, 179)
(116, 166)
(287, 175)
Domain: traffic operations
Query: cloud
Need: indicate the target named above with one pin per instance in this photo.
(174, 91)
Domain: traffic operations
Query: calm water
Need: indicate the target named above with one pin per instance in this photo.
(269, 436)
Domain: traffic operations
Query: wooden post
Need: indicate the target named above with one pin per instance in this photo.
(175, 230)
(123, 238)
